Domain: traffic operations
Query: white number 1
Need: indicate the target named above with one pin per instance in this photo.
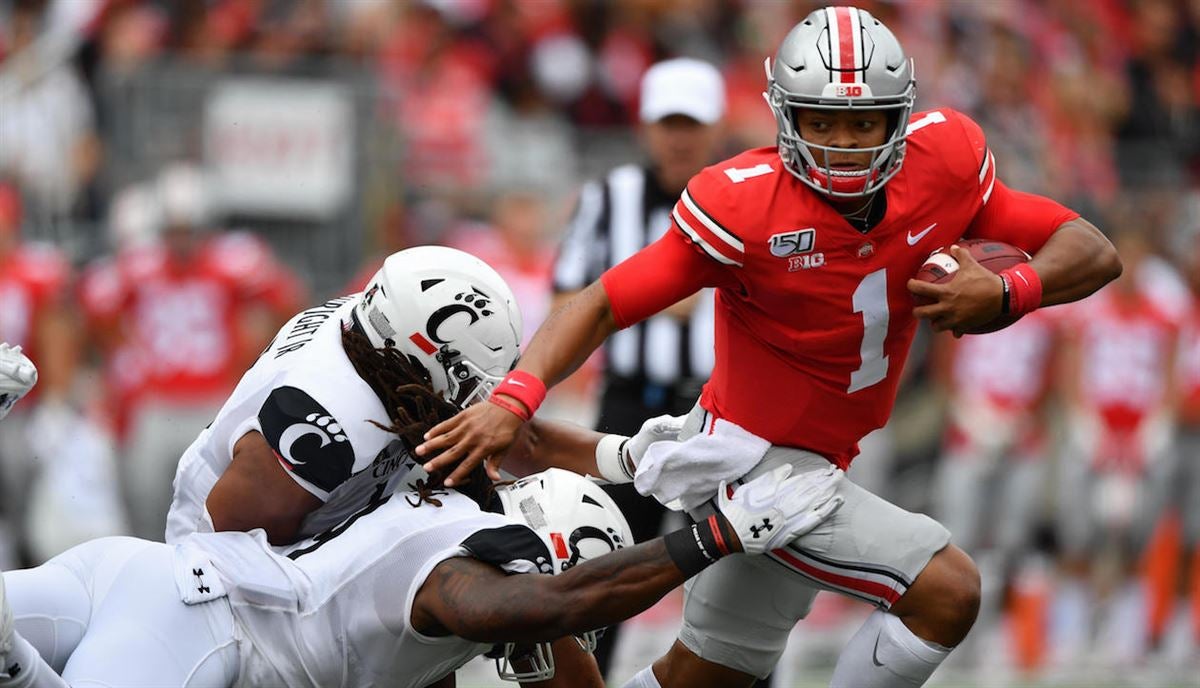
(870, 299)
(740, 174)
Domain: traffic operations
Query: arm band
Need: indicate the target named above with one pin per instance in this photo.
(512, 408)
(1024, 288)
(610, 460)
(700, 545)
(525, 388)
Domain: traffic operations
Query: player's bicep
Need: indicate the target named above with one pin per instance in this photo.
(256, 492)
(660, 275)
(1022, 219)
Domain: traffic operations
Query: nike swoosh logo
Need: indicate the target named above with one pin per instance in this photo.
(914, 238)
(875, 654)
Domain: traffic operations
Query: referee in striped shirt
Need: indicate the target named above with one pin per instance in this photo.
(658, 366)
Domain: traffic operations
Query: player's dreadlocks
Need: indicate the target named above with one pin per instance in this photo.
(412, 406)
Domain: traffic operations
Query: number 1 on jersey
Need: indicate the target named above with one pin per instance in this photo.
(870, 299)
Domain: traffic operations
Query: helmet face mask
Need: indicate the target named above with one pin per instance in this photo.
(448, 312)
(840, 59)
(578, 521)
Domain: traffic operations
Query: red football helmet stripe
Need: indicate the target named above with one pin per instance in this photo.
(845, 39)
(422, 343)
(560, 546)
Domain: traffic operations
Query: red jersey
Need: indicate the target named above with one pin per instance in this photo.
(1009, 369)
(180, 318)
(31, 277)
(1124, 346)
(813, 318)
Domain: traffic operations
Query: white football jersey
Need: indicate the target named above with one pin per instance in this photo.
(335, 610)
(310, 404)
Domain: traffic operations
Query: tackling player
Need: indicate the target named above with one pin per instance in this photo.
(302, 441)
(403, 592)
(811, 245)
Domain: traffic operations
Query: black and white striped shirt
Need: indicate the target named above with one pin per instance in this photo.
(614, 218)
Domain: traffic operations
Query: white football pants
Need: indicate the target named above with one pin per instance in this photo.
(107, 614)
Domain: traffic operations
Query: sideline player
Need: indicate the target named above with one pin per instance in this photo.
(811, 245)
(1116, 471)
(403, 592)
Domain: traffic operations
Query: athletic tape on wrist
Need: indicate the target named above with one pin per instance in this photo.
(700, 545)
(610, 459)
(524, 387)
(1025, 288)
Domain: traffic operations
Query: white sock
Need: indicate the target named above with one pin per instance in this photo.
(644, 679)
(31, 671)
(1125, 635)
(1070, 622)
(885, 654)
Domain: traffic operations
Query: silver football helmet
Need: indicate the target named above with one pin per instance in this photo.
(840, 58)
(448, 311)
(578, 521)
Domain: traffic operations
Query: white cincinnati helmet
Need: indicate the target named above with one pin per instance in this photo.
(578, 521)
(448, 311)
(841, 58)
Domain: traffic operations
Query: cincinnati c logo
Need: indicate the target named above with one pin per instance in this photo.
(473, 304)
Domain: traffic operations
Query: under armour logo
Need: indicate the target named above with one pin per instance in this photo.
(757, 530)
(201, 587)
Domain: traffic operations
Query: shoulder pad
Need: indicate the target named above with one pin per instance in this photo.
(722, 199)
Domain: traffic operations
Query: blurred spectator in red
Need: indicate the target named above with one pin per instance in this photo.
(439, 97)
(47, 140)
(179, 319)
(35, 314)
(515, 244)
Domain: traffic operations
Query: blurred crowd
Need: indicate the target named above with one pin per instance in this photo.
(177, 177)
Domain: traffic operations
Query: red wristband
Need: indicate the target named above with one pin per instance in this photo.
(510, 407)
(1025, 289)
(524, 387)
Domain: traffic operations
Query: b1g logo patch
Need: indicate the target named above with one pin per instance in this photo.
(310, 441)
(791, 243)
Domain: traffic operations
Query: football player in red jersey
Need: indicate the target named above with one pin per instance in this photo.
(811, 245)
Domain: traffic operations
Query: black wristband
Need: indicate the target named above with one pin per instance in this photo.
(1004, 301)
(624, 459)
(700, 545)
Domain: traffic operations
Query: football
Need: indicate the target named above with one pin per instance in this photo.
(996, 256)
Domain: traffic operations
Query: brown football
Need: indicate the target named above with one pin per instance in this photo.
(996, 256)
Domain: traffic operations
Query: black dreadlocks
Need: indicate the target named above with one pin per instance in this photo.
(413, 407)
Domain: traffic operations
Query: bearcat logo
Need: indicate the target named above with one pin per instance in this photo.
(473, 304)
(306, 437)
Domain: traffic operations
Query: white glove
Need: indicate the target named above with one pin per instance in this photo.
(18, 375)
(773, 509)
(657, 429)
